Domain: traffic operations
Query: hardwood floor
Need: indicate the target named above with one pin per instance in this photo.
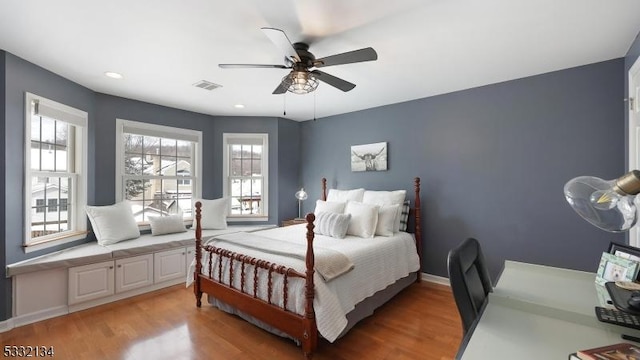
(422, 322)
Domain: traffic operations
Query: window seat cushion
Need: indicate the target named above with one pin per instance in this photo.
(92, 252)
(70, 257)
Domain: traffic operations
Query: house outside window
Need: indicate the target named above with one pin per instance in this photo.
(55, 173)
(245, 171)
(158, 169)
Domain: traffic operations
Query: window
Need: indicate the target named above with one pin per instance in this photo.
(246, 164)
(158, 169)
(55, 173)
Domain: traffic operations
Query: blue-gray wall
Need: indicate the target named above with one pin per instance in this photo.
(493, 162)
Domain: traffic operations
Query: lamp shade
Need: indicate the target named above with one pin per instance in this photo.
(301, 195)
(607, 204)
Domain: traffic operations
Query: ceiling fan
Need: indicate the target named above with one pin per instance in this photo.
(302, 79)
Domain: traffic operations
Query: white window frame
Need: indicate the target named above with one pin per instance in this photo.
(148, 129)
(77, 223)
(227, 139)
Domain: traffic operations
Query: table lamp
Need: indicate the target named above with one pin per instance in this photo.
(300, 195)
(607, 204)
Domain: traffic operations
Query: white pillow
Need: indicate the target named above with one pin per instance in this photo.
(387, 215)
(166, 224)
(345, 195)
(214, 213)
(113, 223)
(364, 218)
(329, 206)
(386, 198)
(332, 224)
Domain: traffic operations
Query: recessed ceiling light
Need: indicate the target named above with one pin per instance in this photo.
(239, 106)
(113, 75)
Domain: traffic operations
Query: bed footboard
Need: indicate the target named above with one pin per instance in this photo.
(219, 283)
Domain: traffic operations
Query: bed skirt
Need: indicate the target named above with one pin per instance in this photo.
(362, 310)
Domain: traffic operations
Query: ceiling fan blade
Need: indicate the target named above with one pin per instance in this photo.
(281, 40)
(366, 54)
(282, 88)
(333, 81)
(256, 66)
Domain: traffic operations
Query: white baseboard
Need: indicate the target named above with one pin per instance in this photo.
(39, 316)
(6, 325)
(435, 279)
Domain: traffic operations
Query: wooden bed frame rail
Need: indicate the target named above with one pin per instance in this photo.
(245, 299)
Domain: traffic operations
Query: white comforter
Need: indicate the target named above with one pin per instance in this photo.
(378, 262)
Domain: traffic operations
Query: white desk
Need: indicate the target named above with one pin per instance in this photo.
(540, 312)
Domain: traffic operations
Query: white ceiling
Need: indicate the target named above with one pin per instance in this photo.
(425, 47)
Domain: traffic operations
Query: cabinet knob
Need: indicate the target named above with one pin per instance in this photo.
(119, 265)
(110, 267)
(183, 253)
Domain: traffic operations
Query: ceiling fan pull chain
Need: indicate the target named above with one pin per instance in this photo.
(284, 105)
(314, 105)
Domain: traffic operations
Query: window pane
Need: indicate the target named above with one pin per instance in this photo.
(168, 166)
(236, 151)
(236, 166)
(184, 166)
(257, 152)
(47, 157)
(168, 147)
(35, 127)
(133, 143)
(256, 167)
(61, 157)
(151, 146)
(62, 133)
(48, 130)
(133, 165)
(246, 167)
(35, 155)
(184, 148)
(135, 189)
(169, 188)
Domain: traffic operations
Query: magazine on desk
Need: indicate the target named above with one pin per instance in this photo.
(622, 351)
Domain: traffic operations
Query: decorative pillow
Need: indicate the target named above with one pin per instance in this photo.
(364, 218)
(214, 212)
(387, 215)
(386, 198)
(345, 195)
(113, 223)
(167, 224)
(329, 206)
(404, 215)
(332, 224)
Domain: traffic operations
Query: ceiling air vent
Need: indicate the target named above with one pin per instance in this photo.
(207, 85)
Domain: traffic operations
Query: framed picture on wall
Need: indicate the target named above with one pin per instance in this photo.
(369, 157)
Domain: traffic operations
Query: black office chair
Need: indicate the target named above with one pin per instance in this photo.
(470, 281)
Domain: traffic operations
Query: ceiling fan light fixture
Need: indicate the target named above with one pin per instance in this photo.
(301, 82)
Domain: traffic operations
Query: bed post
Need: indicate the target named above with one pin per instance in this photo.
(196, 278)
(324, 190)
(310, 337)
(418, 229)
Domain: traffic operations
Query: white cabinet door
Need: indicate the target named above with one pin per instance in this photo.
(90, 282)
(170, 264)
(134, 272)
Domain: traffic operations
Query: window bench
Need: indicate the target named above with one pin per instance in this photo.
(88, 275)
